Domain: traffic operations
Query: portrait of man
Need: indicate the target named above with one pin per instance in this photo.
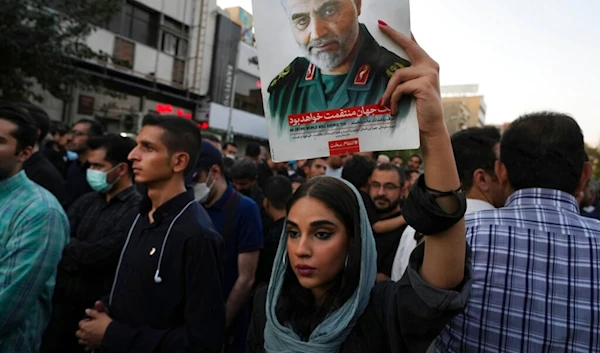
(341, 66)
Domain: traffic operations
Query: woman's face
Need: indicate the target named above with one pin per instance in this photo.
(317, 245)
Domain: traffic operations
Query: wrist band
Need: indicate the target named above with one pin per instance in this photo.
(422, 212)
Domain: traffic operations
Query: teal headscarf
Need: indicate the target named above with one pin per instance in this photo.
(335, 329)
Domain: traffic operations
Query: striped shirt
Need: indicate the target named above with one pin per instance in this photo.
(33, 233)
(536, 282)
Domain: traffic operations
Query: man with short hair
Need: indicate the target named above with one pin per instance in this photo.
(415, 161)
(167, 294)
(230, 150)
(244, 175)
(253, 152)
(213, 140)
(33, 232)
(475, 152)
(315, 167)
(38, 168)
(278, 192)
(99, 222)
(358, 171)
(398, 161)
(385, 190)
(535, 261)
(238, 220)
(335, 165)
(76, 181)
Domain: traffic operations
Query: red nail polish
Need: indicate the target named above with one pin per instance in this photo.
(379, 101)
(381, 23)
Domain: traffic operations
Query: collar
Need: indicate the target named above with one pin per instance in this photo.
(169, 208)
(361, 63)
(14, 182)
(222, 203)
(543, 197)
(476, 205)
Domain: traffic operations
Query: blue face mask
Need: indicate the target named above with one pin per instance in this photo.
(97, 180)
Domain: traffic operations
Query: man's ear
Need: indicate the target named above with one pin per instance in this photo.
(480, 179)
(586, 174)
(180, 161)
(265, 203)
(25, 154)
(502, 174)
(358, 4)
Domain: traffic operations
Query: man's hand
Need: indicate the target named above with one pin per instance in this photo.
(421, 80)
(91, 331)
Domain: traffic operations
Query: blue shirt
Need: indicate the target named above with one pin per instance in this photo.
(536, 279)
(34, 230)
(246, 232)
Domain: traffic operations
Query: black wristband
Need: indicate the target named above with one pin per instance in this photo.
(422, 212)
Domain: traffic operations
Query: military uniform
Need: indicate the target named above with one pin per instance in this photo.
(301, 88)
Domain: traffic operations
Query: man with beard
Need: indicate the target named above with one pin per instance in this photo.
(342, 64)
(385, 191)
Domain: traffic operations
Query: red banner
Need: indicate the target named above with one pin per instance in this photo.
(337, 114)
(344, 146)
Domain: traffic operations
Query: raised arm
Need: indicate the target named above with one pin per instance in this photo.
(444, 259)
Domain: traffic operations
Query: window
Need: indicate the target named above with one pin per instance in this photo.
(137, 23)
(175, 38)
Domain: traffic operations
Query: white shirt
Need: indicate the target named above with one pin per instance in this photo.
(336, 173)
(408, 242)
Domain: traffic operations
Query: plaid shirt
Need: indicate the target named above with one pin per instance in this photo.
(33, 232)
(536, 279)
(98, 232)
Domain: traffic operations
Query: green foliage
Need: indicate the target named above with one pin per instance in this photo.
(41, 40)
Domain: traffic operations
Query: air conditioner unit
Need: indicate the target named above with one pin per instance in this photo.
(130, 123)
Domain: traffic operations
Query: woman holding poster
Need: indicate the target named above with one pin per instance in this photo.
(323, 298)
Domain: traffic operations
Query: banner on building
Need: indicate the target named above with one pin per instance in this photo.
(320, 94)
(227, 39)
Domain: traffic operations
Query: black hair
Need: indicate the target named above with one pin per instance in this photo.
(298, 179)
(309, 162)
(418, 156)
(26, 132)
(358, 170)
(398, 156)
(227, 144)
(117, 148)
(296, 304)
(253, 150)
(244, 169)
(409, 171)
(474, 149)
(41, 118)
(180, 135)
(58, 127)
(390, 167)
(95, 128)
(543, 150)
(278, 190)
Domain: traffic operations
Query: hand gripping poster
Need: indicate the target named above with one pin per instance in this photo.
(324, 65)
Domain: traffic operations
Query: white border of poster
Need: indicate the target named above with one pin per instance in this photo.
(312, 108)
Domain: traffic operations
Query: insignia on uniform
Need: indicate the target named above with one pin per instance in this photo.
(362, 75)
(395, 66)
(280, 76)
(310, 72)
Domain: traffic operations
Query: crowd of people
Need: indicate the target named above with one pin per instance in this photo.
(175, 242)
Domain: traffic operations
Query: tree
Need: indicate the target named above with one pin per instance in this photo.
(594, 156)
(42, 40)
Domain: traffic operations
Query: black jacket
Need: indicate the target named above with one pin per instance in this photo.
(403, 316)
(39, 169)
(185, 312)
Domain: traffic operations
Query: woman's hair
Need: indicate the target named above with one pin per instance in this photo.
(296, 304)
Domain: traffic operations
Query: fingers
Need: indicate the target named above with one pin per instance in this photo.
(404, 75)
(99, 306)
(413, 50)
(405, 88)
(92, 313)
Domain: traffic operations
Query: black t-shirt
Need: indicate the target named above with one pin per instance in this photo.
(39, 169)
(387, 245)
(370, 207)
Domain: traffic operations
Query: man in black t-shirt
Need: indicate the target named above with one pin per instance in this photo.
(385, 190)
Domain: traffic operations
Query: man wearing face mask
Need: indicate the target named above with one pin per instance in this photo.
(238, 219)
(99, 224)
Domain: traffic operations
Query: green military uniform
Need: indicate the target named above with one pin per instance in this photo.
(301, 88)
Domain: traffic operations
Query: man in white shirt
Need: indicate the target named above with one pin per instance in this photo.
(335, 165)
(475, 151)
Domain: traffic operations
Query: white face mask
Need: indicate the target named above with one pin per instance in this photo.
(230, 156)
(202, 190)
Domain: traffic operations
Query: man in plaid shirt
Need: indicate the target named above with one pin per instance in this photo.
(536, 262)
(33, 233)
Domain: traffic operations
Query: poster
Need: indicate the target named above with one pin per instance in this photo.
(325, 66)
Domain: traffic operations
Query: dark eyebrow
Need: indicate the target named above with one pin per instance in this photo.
(299, 15)
(327, 4)
(146, 143)
(313, 224)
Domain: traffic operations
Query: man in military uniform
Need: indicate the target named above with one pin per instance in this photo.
(343, 66)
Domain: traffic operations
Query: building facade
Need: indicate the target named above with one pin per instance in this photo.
(463, 107)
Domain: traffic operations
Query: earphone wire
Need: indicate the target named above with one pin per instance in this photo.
(121, 259)
(162, 249)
